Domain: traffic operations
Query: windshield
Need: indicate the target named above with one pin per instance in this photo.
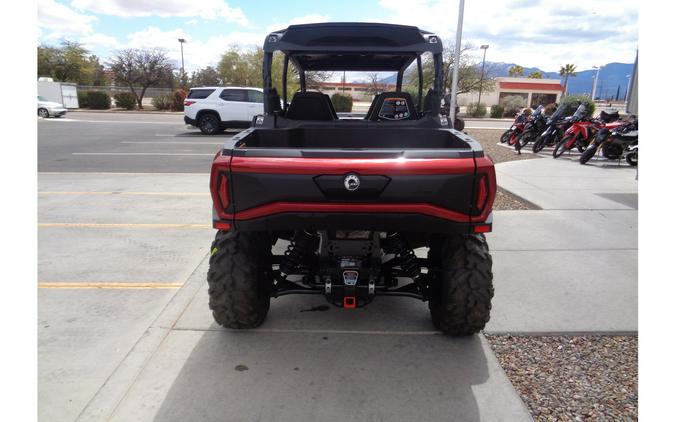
(558, 112)
(538, 111)
(581, 111)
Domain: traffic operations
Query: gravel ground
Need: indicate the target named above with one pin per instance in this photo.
(561, 378)
(504, 200)
(489, 138)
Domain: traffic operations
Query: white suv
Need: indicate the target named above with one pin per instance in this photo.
(213, 109)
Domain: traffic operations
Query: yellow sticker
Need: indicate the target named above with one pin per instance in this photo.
(213, 251)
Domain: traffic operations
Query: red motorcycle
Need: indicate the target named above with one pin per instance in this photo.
(518, 126)
(583, 130)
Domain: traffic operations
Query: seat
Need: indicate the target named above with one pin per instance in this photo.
(273, 101)
(394, 106)
(313, 106)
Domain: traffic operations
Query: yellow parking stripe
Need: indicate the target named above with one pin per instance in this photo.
(125, 225)
(108, 285)
(126, 193)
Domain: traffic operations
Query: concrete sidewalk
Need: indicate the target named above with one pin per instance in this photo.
(572, 266)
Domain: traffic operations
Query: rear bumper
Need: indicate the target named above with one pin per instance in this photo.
(390, 222)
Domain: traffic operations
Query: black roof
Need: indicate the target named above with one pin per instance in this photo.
(352, 46)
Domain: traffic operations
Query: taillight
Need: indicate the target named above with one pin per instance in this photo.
(187, 103)
(481, 193)
(223, 193)
(220, 193)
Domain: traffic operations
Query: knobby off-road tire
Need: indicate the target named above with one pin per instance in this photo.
(462, 291)
(588, 154)
(505, 136)
(539, 144)
(560, 147)
(240, 278)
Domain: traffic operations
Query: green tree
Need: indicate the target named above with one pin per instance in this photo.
(516, 71)
(469, 72)
(140, 69)
(208, 76)
(536, 75)
(70, 62)
(567, 71)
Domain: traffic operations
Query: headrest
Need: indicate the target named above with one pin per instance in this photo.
(394, 106)
(310, 106)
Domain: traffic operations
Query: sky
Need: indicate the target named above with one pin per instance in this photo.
(531, 33)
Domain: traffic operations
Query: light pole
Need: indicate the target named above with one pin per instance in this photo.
(182, 62)
(595, 82)
(483, 47)
(455, 68)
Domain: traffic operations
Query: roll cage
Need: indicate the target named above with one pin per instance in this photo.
(351, 47)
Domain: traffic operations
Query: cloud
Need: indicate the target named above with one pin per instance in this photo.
(205, 9)
(584, 32)
(62, 20)
(96, 40)
(197, 53)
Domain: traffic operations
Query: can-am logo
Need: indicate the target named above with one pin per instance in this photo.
(352, 182)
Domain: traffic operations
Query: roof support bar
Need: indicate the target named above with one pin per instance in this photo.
(284, 82)
(420, 83)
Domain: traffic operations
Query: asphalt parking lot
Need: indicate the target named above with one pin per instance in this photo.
(125, 332)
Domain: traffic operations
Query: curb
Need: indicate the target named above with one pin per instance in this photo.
(84, 110)
(104, 403)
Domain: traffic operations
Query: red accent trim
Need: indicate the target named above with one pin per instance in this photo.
(531, 86)
(409, 208)
(317, 166)
(221, 226)
(483, 228)
(349, 302)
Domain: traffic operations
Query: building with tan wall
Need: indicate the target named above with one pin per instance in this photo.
(534, 91)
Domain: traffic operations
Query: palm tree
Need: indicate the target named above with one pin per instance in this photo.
(535, 75)
(516, 70)
(567, 71)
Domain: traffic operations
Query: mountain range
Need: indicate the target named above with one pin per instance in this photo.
(613, 77)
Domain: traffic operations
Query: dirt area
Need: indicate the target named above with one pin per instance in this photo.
(489, 138)
(561, 378)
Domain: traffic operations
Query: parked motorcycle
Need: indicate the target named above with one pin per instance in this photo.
(511, 134)
(534, 126)
(614, 144)
(583, 130)
(556, 125)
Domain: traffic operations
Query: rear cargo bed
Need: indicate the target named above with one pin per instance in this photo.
(352, 137)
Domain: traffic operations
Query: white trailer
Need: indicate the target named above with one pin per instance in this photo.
(60, 92)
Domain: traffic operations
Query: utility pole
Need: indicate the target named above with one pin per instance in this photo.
(455, 68)
(182, 61)
(483, 47)
(625, 97)
(595, 81)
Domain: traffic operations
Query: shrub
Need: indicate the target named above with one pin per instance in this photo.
(476, 110)
(125, 100)
(512, 105)
(342, 103)
(98, 100)
(571, 102)
(177, 99)
(162, 102)
(496, 111)
(83, 99)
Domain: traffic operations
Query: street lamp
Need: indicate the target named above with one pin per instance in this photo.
(455, 67)
(483, 47)
(182, 61)
(595, 81)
